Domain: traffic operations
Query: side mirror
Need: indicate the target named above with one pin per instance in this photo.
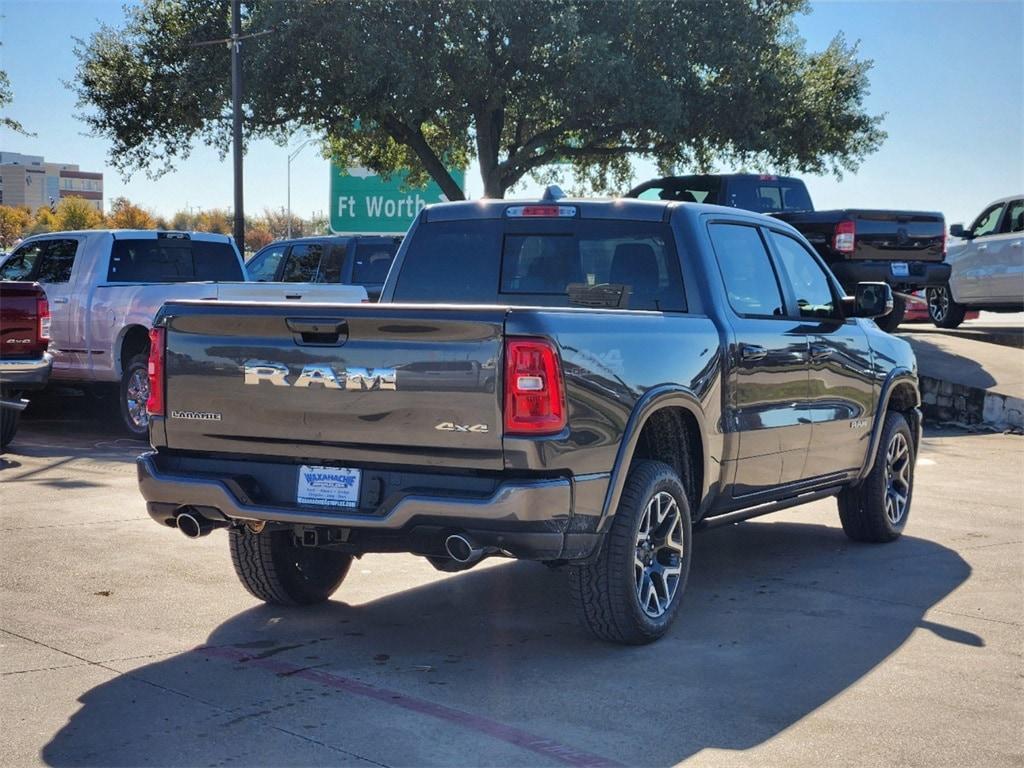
(957, 230)
(869, 300)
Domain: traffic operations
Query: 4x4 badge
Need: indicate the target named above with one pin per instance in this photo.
(448, 426)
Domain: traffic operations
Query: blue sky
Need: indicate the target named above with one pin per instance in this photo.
(949, 77)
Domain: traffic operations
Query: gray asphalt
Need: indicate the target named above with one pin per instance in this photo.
(122, 643)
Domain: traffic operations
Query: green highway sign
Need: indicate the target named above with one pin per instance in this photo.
(364, 203)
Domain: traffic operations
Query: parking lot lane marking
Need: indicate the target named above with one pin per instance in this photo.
(509, 734)
(923, 462)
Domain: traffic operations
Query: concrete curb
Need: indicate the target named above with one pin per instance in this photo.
(946, 401)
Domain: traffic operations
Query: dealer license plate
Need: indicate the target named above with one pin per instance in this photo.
(900, 269)
(328, 486)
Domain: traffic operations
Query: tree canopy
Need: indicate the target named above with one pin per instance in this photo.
(527, 87)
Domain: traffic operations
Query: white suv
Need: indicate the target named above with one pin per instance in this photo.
(988, 265)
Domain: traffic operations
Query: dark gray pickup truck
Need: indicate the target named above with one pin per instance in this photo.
(569, 381)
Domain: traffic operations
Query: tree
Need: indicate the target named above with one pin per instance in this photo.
(528, 87)
(126, 215)
(217, 220)
(6, 97)
(77, 213)
(257, 235)
(14, 223)
(44, 220)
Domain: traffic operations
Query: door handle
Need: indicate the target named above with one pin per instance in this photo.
(293, 295)
(1016, 244)
(61, 300)
(820, 352)
(751, 352)
(982, 247)
(318, 331)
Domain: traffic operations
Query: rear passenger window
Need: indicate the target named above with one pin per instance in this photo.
(1014, 221)
(331, 264)
(747, 272)
(302, 264)
(57, 260)
(809, 283)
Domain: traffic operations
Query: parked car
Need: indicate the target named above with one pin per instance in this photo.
(352, 260)
(918, 310)
(902, 248)
(105, 287)
(24, 361)
(987, 261)
(657, 365)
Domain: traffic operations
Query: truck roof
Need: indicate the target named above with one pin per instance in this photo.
(589, 208)
(135, 233)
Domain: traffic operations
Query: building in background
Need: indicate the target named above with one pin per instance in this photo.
(28, 180)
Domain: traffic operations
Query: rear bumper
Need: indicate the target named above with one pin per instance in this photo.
(530, 520)
(26, 374)
(921, 274)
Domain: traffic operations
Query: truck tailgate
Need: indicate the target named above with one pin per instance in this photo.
(412, 385)
(879, 235)
(19, 320)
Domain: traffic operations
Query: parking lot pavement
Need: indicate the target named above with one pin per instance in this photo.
(122, 643)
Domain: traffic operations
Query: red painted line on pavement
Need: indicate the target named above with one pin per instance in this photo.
(515, 736)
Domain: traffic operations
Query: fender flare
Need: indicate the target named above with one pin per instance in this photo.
(654, 400)
(894, 378)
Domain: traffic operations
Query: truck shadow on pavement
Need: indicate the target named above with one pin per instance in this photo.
(779, 618)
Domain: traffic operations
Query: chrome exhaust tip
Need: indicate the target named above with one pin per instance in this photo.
(461, 550)
(193, 526)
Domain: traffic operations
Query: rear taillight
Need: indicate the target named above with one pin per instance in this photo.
(534, 390)
(845, 237)
(43, 313)
(157, 350)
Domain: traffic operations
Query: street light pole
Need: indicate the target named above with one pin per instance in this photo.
(292, 156)
(236, 118)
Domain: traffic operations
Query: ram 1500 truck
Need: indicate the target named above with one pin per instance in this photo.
(905, 249)
(569, 381)
(105, 287)
(24, 362)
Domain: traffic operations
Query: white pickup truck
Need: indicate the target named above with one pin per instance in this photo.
(106, 286)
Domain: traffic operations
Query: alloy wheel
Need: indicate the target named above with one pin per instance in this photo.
(897, 478)
(659, 554)
(137, 394)
(938, 303)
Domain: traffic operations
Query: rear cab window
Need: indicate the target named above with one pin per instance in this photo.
(172, 260)
(605, 263)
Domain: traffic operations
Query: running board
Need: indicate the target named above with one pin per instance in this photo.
(766, 509)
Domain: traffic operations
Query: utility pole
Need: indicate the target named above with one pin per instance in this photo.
(236, 118)
(235, 44)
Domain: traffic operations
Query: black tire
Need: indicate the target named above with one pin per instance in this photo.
(8, 426)
(135, 422)
(275, 570)
(944, 312)
(606, 592)
(865, 509)
(889, 323)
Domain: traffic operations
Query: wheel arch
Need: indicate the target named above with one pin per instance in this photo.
(649, 430)
(899, 392)
(133, 340)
